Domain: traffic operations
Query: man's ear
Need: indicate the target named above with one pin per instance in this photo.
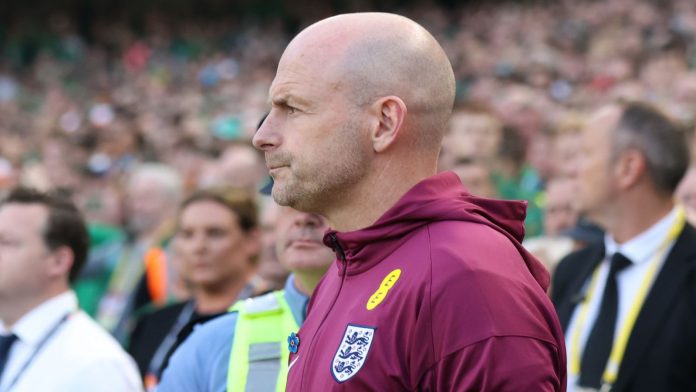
(391, 112)
(630, 168)
(61, 261)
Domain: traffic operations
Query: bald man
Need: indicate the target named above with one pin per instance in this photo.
(431, 289)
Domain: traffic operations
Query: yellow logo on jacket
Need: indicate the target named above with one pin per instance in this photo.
(387, 284)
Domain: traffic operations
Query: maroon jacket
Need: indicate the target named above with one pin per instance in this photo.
(437, 295)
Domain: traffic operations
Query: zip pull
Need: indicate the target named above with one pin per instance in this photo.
(337, 247)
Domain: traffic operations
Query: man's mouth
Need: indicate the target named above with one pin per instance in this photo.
(304, 243)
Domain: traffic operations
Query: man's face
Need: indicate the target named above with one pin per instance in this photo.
(473, 135)
(24, 257)
(299, 241)
(476, 178)
(211, 247)
(559, 213)
(147, 205)
(595, 182)
(314, 138)
(241, 166)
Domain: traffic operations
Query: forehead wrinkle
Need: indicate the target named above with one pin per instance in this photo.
(306, 92)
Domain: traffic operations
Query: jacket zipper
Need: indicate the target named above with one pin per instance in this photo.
(336, 245)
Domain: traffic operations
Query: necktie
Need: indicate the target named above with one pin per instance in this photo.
(5, 345)
(601, 339)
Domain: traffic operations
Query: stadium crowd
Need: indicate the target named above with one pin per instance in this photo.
(129, 122)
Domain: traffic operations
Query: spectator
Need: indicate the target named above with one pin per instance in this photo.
(46, 343)
(476, 177)
(474, 133)
(559, 211)
(216, 247)
(240, 165)
(514, 179)
(176, 89)
(270, 269)
(154, 192)
(559, 218)
(566, 142)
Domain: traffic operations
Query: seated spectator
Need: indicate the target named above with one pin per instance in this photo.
(46, 343)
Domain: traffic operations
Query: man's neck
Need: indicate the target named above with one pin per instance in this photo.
(629, 223)
(218, 299)
(12, 310)
(367, 203)
(306, 282)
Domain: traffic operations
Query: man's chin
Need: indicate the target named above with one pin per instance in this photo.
(287, 198)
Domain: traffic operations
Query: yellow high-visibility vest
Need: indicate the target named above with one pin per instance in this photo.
(259, 354)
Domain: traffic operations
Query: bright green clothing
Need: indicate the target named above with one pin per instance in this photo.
(259, 354)
(106, 243)
(527, 186)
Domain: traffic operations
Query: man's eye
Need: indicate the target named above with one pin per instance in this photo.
(291, 110)
(217, 233)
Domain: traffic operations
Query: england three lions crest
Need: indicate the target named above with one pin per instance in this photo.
(352, 352)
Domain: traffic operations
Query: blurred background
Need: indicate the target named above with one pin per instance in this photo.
(130, 106)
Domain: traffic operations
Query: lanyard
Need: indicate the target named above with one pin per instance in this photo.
(619, 348)
(153, 373)
(38, 348)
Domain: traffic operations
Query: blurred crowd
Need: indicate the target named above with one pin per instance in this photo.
(128, 123)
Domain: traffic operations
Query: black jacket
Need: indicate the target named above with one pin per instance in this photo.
(661, 350)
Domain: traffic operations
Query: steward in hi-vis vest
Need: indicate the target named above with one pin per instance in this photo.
(259, 354)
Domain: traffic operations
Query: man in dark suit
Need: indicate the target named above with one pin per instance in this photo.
(628, 305)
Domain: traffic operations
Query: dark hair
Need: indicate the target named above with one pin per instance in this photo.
(661, 141)
(512, 146)
(64, 226)
(238, 200)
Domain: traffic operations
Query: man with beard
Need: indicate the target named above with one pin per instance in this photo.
(431, 289)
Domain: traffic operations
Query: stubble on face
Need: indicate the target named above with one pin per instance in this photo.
(317, 179)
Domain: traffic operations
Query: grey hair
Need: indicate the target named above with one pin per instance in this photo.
(166, 176)
(661, 141)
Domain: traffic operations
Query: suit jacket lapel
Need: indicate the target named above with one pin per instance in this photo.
(576, 290)
(656, 306)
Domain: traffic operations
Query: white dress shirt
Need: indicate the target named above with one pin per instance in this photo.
(77, 356)
(641, 250)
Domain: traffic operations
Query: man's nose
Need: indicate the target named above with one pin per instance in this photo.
(199, 244)
(266, 138)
